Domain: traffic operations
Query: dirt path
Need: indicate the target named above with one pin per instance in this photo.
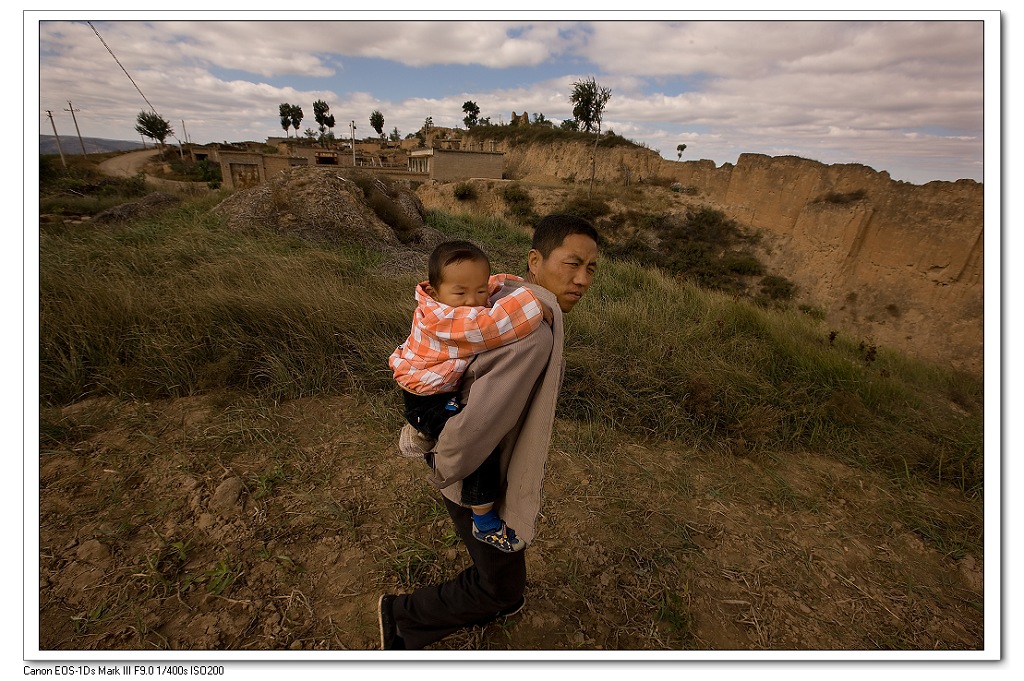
(135, 162)
(128, 165)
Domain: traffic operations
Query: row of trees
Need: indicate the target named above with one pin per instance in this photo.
(291, 117)
(587, 97)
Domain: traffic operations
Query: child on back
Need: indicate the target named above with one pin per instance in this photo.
(454, 321)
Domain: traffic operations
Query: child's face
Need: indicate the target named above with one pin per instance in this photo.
(463, 283)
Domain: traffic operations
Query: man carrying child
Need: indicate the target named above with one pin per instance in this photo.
(454, 321)
(506, 404)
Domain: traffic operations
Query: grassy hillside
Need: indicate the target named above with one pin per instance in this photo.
(179, 305)
(217, 465)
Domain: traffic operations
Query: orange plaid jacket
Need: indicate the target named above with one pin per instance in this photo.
(444, 339)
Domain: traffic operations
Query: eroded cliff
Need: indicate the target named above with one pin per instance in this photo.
(898, 264)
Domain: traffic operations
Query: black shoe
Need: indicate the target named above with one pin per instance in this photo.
(513, 609)
(389, 638)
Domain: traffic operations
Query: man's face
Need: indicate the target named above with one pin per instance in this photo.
(568, 271)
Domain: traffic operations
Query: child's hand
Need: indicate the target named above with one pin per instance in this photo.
(549, 316)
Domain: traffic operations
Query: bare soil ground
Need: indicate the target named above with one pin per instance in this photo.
(220, 522)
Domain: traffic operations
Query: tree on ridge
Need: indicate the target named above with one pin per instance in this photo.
(588, 100)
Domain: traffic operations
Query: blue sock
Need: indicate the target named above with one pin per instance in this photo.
(487, 522)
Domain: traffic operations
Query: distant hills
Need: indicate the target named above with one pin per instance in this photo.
(93, 145)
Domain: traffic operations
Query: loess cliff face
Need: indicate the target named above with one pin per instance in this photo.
(897, 264)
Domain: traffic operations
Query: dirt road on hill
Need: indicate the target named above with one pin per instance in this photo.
(127, 165)
(135, 162)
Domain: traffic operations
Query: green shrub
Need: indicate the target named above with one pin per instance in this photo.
(518, 200)
(464, 191)
(743, 264)
(646, 221)
(659, 181)
(710, 226)
(585, 207)
(187, 170)
(841, 197)
(544, 134)
(699, 246)
(775, 287)
(814, 313)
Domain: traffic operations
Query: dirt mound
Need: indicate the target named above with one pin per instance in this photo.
(320, 204)
(147, 206)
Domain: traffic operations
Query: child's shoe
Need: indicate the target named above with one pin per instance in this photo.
(413, 444)
(501, 537)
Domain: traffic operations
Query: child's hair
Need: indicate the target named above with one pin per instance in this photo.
(451, 252)
(552, 230)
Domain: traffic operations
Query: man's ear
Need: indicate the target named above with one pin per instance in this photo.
(534, 260)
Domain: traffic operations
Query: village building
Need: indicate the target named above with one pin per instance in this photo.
(447, 165)
(442, 159)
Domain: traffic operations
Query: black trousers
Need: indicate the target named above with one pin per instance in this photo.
(428, 414)
(494, 582)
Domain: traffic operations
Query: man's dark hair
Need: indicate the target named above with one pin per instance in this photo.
(552, 230)
(449, 253)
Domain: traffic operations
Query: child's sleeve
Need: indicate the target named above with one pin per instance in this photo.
(511, 318)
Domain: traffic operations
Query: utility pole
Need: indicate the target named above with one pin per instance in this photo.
(353, 126)
(184, 133)
(57, 137)
(73, 110)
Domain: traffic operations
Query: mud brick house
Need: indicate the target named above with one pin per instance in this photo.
(243, 169)
(449, 165)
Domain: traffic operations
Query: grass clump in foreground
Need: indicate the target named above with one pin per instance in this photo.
(180, 305)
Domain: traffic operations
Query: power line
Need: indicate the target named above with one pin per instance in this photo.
(151, 107)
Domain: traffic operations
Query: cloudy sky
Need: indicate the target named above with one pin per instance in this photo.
(899, 92)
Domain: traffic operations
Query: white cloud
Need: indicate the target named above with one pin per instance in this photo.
(878, 92)
(270, 48)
